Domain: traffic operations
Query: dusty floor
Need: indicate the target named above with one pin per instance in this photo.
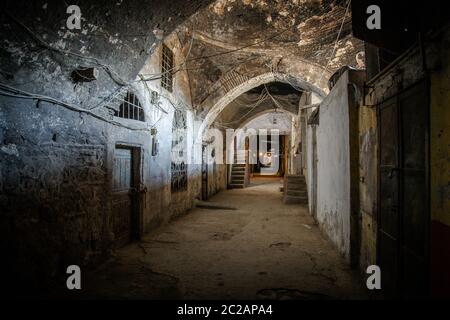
(262, 250)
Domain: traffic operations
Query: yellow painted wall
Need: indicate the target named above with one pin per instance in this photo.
(440, 136)
(368, 184)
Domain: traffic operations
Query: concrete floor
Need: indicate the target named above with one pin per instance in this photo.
(262, 250)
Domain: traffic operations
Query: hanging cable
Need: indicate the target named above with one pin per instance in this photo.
(8, 91)
(336, 42)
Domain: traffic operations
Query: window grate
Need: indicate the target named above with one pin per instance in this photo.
(130, 107)
(179, 156)
(167, 68)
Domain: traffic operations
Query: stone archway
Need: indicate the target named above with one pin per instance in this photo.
(242, 85)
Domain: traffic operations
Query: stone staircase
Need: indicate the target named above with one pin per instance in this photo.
(237, 176)
(295, 191)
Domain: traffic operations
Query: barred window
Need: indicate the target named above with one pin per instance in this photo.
(130, 108)
(179, 146)
(167, 68)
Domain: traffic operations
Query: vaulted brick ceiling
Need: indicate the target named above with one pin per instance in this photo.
(244, 35)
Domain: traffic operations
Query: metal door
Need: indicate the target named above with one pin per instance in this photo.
(403, 193)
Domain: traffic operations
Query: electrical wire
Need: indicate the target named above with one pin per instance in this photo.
(8, 91)
(117, 78)
(236, 49)
(245, 104)
(336, 42)
(92, 60)
(273, 99)
(263, 98)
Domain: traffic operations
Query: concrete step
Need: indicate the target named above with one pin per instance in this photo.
(290, 176)
(296, 190)
(295, 200)
(296, 184)
(295, 193)
(296, 180)
(296, 187)
(236, 186)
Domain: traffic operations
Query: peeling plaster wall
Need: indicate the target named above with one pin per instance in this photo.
(54, 196)
(164, 204)
(337, 171)
(333, 153)
(117, 37)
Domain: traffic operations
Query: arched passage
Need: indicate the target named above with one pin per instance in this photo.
(219, 104)
(262, 113)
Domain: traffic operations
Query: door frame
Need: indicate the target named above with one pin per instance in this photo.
(138, 190)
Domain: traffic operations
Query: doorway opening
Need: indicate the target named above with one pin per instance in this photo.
(126, 218)
(271, 162)
(204, 173)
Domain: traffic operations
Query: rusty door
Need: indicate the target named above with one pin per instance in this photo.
(124, 203)
(403, 193)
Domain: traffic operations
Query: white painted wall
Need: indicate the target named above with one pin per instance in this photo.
(265, 121)
(333, 151)
(309, 166)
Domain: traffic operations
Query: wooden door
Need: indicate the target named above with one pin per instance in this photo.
(124, 203)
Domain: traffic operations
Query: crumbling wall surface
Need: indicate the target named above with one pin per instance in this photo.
(54, 195)
(163, 205)
(310, 27)
(39, 52)
(333, 153)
